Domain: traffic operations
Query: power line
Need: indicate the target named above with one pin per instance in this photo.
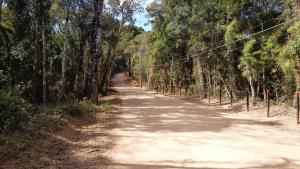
(232, 42)
(261, 25)
(247, 37)
(222, 41)
(185, 59)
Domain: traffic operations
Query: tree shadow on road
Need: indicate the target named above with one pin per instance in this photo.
(157, 113)
(284, 164)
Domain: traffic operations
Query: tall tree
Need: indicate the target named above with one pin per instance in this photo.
(95, 50)
(81, 12)
(294, 41)
(44, 7)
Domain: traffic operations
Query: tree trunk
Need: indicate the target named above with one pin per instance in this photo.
(109, 69)
(63, 68)
(64, 59)
(201, 82)
(258, 88)
(95, 50)
(35, 75)
(297, 73)
(264, 89)
(180, 86)
(141, 70)
(252, 87)
(223, 84)
(277, 96)
(209, 85)
(297, 67)
(79, 80)
(171, 75)
(45, 65)
(129, 68)
(106, 71)
(112, 53)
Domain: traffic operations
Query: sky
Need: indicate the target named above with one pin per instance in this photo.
(141, 18)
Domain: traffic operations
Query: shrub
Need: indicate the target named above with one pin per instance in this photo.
(13, 111)
(48, 117)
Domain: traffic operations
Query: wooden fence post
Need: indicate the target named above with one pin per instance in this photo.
(247, 95)
(298, 108)
(220, 94)
(209, 94)
(180, 90)
(268, 103)
(231, 98)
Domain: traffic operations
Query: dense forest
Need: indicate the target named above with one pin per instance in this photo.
(54, 51)
(60, 60)
(203, 46)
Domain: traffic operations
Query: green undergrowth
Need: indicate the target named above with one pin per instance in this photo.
(22, 124)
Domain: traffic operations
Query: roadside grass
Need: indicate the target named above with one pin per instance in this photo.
(30, 143)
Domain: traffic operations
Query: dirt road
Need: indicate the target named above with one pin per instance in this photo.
(160, 132)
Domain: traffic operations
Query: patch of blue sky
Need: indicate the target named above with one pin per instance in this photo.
(141, 18)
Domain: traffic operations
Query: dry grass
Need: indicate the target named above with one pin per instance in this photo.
(43, 141)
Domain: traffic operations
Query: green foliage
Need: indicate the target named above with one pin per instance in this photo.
(13, 111)
(188, 46)
(294, 44)
(50, 117)
(203, 42)
(251, 63)
(232, 31)
(4, 78)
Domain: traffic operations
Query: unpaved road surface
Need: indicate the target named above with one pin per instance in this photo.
(160, 132)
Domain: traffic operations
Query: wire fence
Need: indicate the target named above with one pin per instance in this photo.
(227, 96)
